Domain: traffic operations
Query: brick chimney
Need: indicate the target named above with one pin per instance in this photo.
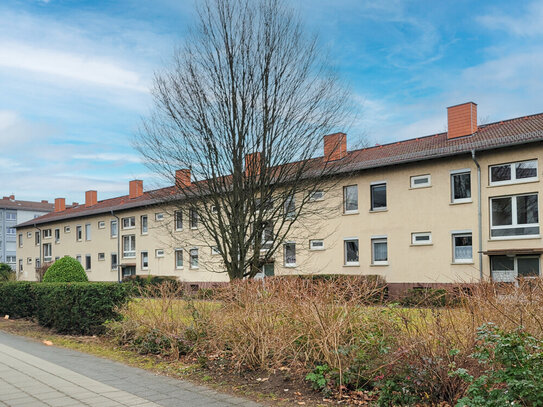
(91, 198)
(182, 178)
(335, 146)
(135, 188)
(462, 120)
(60, 204)
(252, 164)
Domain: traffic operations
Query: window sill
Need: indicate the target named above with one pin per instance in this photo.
(145, 268)
(144, 233)
(420, 244)
(499, 239)
(379, 264)
(129, 228)
(352, 265)
(462, 263)
(460, 202)
(350, 213)
(194, 228)
(507, 183)
(114, 237)
(195, 268)
(378, 210)
(423, 187)
(129, 257)
(317, 250)
(179, 268)
(179, 230)
(291, 266)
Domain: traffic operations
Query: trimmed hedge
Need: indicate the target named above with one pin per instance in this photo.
(68, 308)
(65, 270)
(17, 299)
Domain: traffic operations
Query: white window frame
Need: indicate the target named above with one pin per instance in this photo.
(79, 233)
(514, 272)
(514, 221)
(194, 219)
(192, 267)
(88, 232)
(144, 224)
(350, 211)
(101, 256)
(130, 254)
(11, 216)
(461, 233)
(350, 263)
(376, 184)
(114, 266)
(67, 229)
(176, 253)
(414, 241)
(11, 231)
(452, 174)
(290, 265)
(88, 258)
(378, 239)
(144, 259)
(101, 224)
(47, 256)
(414, 178)
(311, 247)
(29, 260)
(114, 222)
(289, 207)
(178, 216)
(312, 197)
(159, 253)
(47, 233)
(131, 222)
(513, 179)
(159, 216)
(20, 237)
(29, 235)
(57, 238)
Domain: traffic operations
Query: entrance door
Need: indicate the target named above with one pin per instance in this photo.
(129, 271)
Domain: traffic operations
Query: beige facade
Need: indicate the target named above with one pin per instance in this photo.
(426, 232)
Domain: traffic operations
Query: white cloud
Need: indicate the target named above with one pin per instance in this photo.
(74, 66)
(527, 24)
(128, 158)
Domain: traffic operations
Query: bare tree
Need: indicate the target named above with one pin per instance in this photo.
(243, 109)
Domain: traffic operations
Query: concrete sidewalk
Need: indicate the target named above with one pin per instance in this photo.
(32, 374)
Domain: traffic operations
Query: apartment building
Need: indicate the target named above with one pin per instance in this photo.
(14, 211)
(453, 207)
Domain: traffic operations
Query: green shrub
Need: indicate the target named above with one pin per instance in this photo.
(78, 308)
(17, 299)
(65, 270)
(514, 370)
(6, 272)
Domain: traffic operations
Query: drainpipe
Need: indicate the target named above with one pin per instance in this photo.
(479, 215)
(118, 247)
(39, 231)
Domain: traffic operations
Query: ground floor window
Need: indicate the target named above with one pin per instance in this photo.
(290, 254)
(509, 268)
(351, 252)
(129, 271)
(462, 248)
(379, 251)
(178, 258)
(267, 270)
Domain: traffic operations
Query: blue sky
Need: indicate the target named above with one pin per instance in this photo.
(75, 77)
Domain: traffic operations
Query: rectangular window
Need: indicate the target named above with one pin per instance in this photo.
(101, 224)
(38, 262)
(47, 252)
(461, 186)
(193, 215)
(421, 238)
(289, 251)
(78, 258)
(113, 261)
(462, 248)
(21, 264)
(57, 235)
(290, 207)
(178, 259)
(144, 225)
(129, 222)
(267, 236)
(350, 199)
(316, 244)
(67, 229)
(37, 238)
(193, 258)
(378, 197)
(509, 268)
(114, 228)
(46, 233)
(514, 216)
(178, 220)
(316, 196)
(379, 251)
(129, 246)
(144, 260)
(11, 259)
(87, 262)
(11, 216)
(159, 253)
(159, 216)
(421, 181)
(79, 233)
(101, 256)
(88, 231)
(11, 231)
(20, 240)
(351, 252)
(510, 173)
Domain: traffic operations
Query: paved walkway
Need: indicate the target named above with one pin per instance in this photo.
(32, 374)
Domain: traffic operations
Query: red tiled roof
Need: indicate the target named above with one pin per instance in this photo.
(7, 203)
(527, 129)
